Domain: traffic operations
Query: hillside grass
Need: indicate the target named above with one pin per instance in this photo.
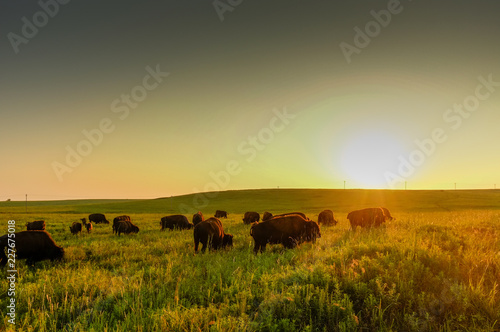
(435, 268)
(273, 200)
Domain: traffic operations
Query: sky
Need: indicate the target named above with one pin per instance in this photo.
(128, 99)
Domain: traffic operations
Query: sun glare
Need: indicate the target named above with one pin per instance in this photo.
(367, 156)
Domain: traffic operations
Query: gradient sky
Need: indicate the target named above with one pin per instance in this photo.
(212, 123)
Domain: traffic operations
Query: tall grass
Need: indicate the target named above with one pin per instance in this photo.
(425, 271)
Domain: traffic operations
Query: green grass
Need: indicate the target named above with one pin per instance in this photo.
(435, 268)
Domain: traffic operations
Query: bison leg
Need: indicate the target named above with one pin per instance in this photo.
(261, 246)
(30, 261)
(216, 244)
(204, 240)
(196, 243)
(290, 243)
(256, 247)
(204, 247)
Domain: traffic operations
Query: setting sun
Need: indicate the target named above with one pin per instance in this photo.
(366, 156)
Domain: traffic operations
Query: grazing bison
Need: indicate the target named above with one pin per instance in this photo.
(32, 245)
(366, 218)
(251, 217)
(197, 218)
(220, 214)
(38, 225)
(117, 220)
(176, 221)
(326, 218)
(98, 218)
(126, 227)
(75, 228)
(211, 234)
(387, 214)
(288, 230)
(88, 225)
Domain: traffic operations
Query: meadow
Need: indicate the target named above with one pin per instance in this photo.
(435, 268)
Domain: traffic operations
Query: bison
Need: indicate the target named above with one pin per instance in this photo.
(211, 234)
(326, 218)
(176, 221)
(75, 228)
(126, 227)
(88, 225)
(117, 220)
(197, 218)
(288, 230)
(366, 218)
(220, 214)
(33, 245)
(38, 225)
(251, 217)
(98, 218)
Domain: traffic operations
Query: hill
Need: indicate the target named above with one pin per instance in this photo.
(277, 200)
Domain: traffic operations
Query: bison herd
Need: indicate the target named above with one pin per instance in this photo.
(288, 229)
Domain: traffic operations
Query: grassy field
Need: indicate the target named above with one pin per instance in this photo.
(435, 268)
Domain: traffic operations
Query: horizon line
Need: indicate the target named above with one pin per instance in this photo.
(74, 198)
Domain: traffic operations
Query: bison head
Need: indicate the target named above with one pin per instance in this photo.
(312, 231)
(135, 229)
(58, 253)
(227, 240)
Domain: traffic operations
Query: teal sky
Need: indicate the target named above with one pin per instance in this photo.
(264, 98)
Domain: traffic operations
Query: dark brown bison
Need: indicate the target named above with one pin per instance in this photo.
(38, 225)
(117, 220)
(289, 230)
(176, 221)
(366, 218)
(211, 234)
(220, 214)
(75, 228)
(197, 218)
(251, 217)
(387, 214)
(126, 227)
(33, 245)
(268, 215)
(87, 225)
(326, 218)
(98, 218)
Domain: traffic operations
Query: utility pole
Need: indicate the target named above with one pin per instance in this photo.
(26, 204)
(344, 184)
(455, 186)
